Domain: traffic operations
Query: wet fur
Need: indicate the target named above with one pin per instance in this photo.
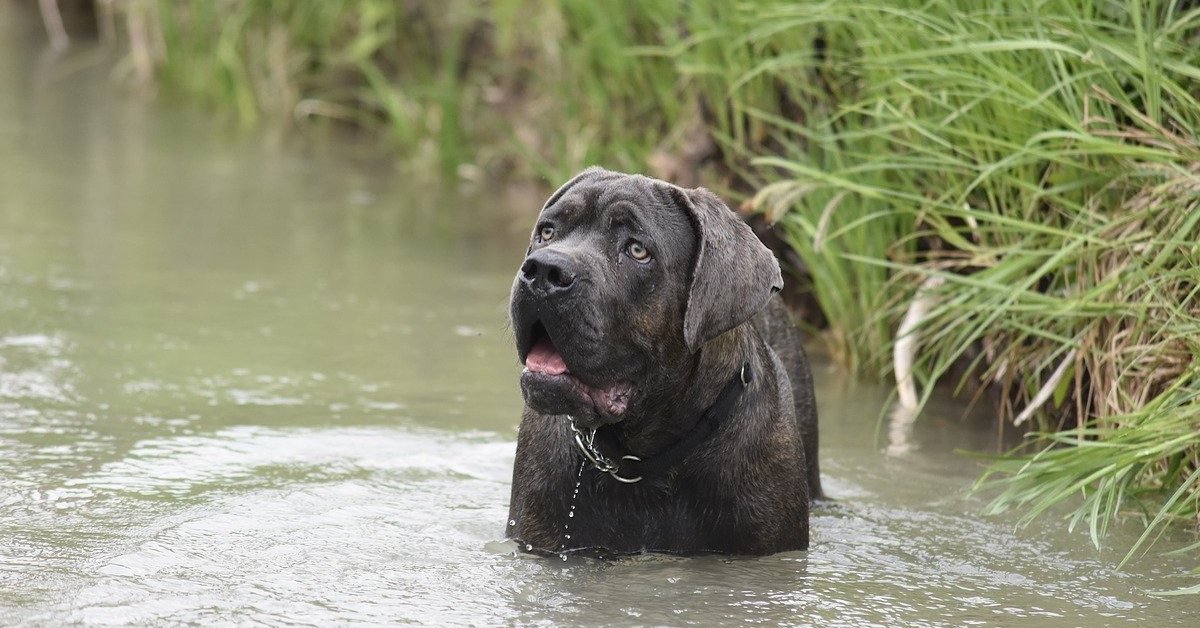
(681, 334)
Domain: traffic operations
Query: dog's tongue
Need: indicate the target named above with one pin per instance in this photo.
(544, 358)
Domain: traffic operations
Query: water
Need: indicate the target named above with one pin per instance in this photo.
(264, 381)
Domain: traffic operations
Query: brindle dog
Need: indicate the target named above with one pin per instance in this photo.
(669, 404)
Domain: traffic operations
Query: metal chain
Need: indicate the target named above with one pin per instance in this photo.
(586, 441)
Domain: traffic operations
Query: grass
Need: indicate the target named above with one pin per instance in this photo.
(1040, 160)
(1032, 163)
(507, 86)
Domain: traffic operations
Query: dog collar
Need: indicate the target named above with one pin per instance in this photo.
(585, 439)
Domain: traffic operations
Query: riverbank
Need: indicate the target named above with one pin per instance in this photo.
(1019, 182)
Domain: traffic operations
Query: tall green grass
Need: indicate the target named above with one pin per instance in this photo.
(539, 88)
(1041, 160)
(1033, 163)
(391, 68)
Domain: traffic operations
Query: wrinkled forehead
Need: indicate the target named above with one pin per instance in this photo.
(617, 195)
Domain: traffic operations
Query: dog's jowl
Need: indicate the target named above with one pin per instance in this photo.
(668, 402)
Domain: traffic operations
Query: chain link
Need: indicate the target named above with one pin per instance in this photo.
(586, 441)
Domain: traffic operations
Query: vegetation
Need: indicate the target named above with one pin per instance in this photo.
(1039, 163)
(1029, 169)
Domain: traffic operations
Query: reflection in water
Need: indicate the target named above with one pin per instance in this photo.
(900, 430)
(254, 383)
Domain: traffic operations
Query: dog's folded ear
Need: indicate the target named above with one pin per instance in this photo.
(734, 273)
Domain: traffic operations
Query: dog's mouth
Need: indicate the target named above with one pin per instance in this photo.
(543, 356)
(544, 363)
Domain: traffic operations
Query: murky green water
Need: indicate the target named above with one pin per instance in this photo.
(263, 382)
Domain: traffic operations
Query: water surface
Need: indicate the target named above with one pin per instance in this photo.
(264, 381)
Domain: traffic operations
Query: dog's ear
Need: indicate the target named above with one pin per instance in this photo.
(734, 274)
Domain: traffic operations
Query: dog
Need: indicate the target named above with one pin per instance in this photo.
(668, 402)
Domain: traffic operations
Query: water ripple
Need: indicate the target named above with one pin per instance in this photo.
(387, 525)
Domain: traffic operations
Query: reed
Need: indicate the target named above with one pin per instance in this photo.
(1039, 159)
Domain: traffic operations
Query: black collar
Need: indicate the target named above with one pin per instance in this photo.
(630, 469)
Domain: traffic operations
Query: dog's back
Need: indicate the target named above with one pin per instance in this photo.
(775, 325)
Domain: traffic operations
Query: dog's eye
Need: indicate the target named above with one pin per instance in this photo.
(545, 234)
(638, 251)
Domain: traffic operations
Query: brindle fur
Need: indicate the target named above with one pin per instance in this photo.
(680, 328)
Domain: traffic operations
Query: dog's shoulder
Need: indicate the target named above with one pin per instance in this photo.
(774, 323)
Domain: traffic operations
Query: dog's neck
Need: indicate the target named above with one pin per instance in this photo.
(688, 390)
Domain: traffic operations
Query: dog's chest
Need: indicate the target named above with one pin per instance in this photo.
(625, 518)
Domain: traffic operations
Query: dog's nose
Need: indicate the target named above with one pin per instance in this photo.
(549, 272)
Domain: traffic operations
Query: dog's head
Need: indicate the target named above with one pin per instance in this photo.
(625, 278)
